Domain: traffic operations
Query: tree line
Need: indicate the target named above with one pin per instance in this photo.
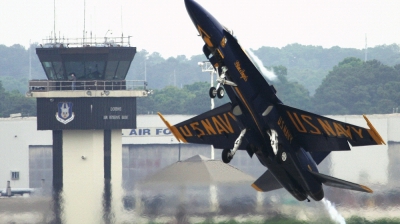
(327, 81)
(352, 87)
(357, 87)
(12, 102)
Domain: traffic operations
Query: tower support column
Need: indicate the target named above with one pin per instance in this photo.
(57, 159)
(83, 175)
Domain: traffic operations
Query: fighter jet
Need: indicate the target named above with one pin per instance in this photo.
(290, 142)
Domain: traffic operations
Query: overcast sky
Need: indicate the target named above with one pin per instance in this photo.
(164, 26)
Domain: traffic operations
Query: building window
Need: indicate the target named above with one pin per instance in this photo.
(14, 175)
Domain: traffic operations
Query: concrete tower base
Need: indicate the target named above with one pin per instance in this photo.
(91, 175)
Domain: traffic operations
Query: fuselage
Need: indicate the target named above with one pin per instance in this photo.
(267, 134)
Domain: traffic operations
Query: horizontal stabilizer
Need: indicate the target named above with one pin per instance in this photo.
(267, 182)
(335, 182)
(319, 156)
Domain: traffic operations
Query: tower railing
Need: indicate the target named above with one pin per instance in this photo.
(51, 85)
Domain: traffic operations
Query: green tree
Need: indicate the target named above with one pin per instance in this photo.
(14, 102)
(290, 93)
(309, 65)
(169, 100)
(191, 99)
(200, 100)
(357, 87)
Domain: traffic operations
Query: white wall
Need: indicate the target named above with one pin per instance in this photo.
(365, 164)
(16, 134)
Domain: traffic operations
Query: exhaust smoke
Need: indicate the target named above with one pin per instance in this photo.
(335, 216)
(269, 75)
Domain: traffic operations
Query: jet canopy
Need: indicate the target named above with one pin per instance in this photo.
(228, 30)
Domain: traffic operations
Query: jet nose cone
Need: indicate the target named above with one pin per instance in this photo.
(199, 15)
(193, 9)
(209, 28)
(189, 3)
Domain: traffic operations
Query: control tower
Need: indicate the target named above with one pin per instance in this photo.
(86, 113)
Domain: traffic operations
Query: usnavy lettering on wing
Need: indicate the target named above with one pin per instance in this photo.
(64, 113)
(318, 126)
(215, 125)
(305, 123)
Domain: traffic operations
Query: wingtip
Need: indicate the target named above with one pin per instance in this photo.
(172, 128)
(374, 133)
(164, 120)
(160, 115)
(367, 189)
(256, 188)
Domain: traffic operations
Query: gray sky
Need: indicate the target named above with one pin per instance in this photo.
(164, 26)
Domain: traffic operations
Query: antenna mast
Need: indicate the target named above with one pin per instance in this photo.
(30, 60)
(84, 21)
(54, 5)
(366, 49)
(145, 69)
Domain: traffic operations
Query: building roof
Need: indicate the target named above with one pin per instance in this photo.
(198, 170)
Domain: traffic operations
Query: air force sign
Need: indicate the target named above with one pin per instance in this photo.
(65, 114)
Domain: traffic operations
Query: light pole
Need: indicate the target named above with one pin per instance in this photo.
(207, 67)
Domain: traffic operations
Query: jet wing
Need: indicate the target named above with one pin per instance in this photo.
(317, 133)
(217, 127)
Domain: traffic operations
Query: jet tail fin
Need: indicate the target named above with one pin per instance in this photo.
(266, 182)
(335, 182)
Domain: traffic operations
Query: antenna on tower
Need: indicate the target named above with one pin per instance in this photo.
(54, 28)
(84, 20)
(366, 49)
(30, 60)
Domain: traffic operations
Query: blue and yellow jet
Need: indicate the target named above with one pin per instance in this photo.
(288, 141)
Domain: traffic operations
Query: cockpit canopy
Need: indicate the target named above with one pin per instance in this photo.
(228, 30)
